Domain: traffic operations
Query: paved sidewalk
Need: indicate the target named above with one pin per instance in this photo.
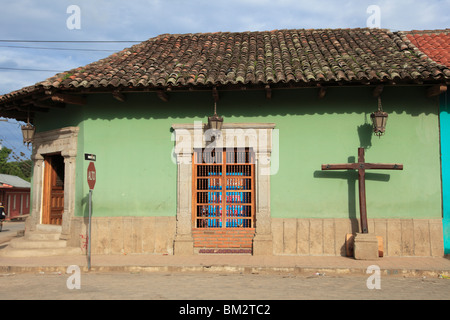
(401, 266)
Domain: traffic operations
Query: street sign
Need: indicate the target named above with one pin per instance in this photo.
(90, 156)
(91, 179)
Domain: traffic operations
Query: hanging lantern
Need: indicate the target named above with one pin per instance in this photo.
(28, 132)
(215, 122)
(379, 119)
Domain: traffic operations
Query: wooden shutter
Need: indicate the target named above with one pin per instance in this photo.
(223, 189)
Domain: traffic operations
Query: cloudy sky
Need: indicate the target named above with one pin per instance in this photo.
(25, 63)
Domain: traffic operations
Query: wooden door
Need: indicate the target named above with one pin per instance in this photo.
(53, 204)
(223, 201)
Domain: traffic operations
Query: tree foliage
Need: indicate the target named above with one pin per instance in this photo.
(20, 168)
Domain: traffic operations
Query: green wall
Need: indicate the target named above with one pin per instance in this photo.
(136, 175)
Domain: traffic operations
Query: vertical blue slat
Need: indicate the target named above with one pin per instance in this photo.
(444, 117)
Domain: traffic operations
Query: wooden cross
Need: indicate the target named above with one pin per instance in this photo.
(361, 166)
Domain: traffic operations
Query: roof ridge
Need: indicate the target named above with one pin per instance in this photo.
(435, 31)
(162, 35)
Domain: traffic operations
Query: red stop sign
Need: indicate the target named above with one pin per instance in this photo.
(91, 175)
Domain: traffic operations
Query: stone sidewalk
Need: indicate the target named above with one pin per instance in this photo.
(231, 263)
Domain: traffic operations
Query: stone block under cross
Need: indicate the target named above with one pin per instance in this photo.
(362, 166)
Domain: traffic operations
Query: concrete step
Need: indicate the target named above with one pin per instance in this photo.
(44, 232)
(44, 241)
(37, 236)
(24, 243)
(48, 228)
(20, 253)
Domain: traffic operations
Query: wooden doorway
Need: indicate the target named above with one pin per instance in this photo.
(223, 200)
(53, 198)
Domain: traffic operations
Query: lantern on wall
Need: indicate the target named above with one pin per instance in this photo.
(379, 119)
(215, 122)
(28, 132)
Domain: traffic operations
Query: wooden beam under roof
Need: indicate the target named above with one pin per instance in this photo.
(56, 105)
(119, 96)
(23, 107)
(20, 116)
(322, 92)
(436, 90)
(377, 91)
(67, 98)
(268, 92)
(215, 94)
(163, 95)
(42, 104)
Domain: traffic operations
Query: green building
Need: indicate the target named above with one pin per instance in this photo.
(291, 100)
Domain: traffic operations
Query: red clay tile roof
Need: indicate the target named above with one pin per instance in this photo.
(278, 58)
(434, 43)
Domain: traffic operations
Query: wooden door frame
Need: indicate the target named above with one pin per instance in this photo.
(46, 190)
(49, 177)
(60, 141)
(190, 136)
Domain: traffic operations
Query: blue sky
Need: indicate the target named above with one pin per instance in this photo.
(139, 20)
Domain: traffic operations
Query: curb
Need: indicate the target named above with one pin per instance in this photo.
(7, 239)
(302, 271)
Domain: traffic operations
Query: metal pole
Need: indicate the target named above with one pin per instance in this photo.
(89, 231)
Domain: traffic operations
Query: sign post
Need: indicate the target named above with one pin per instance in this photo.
(91, 179)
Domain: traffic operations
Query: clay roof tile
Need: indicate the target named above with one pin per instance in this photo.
(307, 57)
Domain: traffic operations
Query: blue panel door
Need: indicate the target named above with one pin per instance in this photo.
(445, 158)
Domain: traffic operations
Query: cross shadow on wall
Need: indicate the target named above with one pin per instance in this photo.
(365, 133)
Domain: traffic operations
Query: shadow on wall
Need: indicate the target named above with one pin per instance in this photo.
(353, 193)
(365, 134)
(253, 103)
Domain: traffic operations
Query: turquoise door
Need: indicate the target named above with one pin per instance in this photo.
(445, 158)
